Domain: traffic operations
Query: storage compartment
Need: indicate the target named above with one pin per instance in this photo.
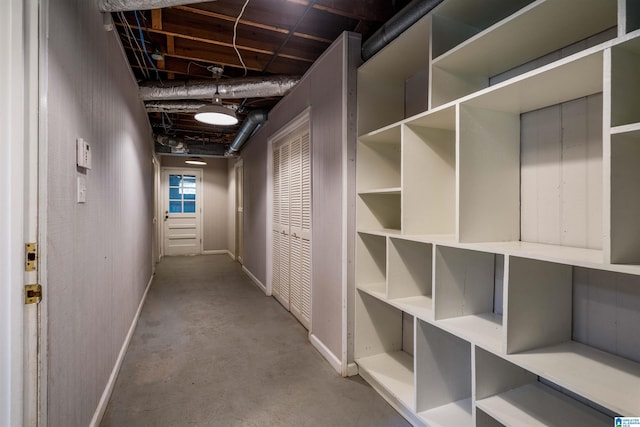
(381, 351)
(456, 21)
(387, 82)
(379, 161)
(379, 211)
(466, 289)
(409, 278)
(511, 395)
(371, 263)
(530, 167)
(443, 377)
(625, 198)
(537, 29)
(625, 83)
(599, 362)
(429, 174)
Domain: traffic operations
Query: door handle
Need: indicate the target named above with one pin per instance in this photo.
(295, 235)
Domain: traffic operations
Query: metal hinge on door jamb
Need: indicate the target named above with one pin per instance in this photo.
(32, 294)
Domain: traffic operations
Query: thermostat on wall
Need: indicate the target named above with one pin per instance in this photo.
(83, 153)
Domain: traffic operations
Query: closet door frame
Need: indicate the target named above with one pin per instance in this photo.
(302, 119)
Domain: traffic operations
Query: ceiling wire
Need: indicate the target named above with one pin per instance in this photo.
(144, 46)
(291, 33)
(128, 29)
(235, 34)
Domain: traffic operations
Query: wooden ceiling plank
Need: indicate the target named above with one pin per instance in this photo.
(170, 50)
(174, 35)
(156, 19)
(252, 23)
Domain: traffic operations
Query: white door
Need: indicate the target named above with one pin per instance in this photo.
(239, 210)
(291, 228)
(182, 231)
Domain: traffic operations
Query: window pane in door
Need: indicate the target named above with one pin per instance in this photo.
(189, 207)
(189, 195)
(175, 207)
(174, 180)
(174, 194)
(189, 181)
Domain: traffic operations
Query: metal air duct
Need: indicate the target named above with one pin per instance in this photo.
(254, 120)
(250, 87)
(126, 5)
(395, 26)
(179, 106)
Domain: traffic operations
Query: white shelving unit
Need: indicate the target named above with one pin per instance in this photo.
(498, 244)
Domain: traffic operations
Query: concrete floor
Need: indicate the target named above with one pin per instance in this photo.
(211, 350)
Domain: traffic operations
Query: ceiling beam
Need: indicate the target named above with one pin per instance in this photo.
(252, 23)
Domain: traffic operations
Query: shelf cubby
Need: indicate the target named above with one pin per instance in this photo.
(381, 351)
(371, 263)
(512, 395)
(387, 82)
(443, 377)
(514, 41)
(632, 15)
(379, 210)
(625, 198)
(429, 173)
(379, 161)
(625, 83)
(577, 328)
(531, 161)
(409, 277)
(465, 295)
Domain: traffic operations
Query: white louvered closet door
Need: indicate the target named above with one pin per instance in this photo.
(292, 224)
(281, 227)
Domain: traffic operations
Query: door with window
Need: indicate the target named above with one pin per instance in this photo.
(291, 228)
(182, 231)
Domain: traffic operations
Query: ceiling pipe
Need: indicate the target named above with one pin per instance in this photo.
(254, 120)
(128, 5)
(395, 26)
(184, 107)
(249, 87)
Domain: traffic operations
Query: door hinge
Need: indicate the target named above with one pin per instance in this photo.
(32, 294)
(30, 256)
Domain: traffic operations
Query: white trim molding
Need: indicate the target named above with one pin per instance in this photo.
(255, 280)
(106, 394)
(333, 360)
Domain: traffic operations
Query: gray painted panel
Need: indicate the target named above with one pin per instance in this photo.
(561, 174)
(98, 254)
(327, 130)
(215, 202)
(605, 311)
(322, 89)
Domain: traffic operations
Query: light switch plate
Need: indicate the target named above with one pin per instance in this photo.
(82, 189)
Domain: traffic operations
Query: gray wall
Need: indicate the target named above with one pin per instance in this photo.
(98, 254)
(215, 188)
(324, 89)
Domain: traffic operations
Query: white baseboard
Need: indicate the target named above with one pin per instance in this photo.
(255, 280)
(215, 252)
(231, 255)
(106, 394)
(326, 353)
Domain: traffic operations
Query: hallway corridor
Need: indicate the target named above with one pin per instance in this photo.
(211, 350)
